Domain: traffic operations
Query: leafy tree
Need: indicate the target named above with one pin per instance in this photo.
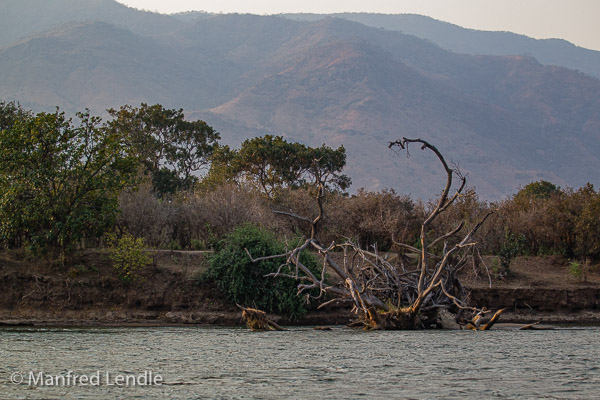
(243, 281)
(578, 271)
(269, 161)
(511, 248)
(530, 215)
(554, 221)
(171, 148)
(324, 164)
(587, 223)
(536, 191)
(221, 168)
(60, 182)
(10, 113)
(272, 163)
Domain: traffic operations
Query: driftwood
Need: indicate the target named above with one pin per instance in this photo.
(535, 327)
(480, 323)
(384, 295)
(529, 327)
(257, 320)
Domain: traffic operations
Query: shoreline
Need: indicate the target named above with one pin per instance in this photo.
(40, 293)
(230, 319)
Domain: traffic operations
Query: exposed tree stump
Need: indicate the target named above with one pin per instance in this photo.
(257, 320)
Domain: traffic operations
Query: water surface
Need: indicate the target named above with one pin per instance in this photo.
(198, 363)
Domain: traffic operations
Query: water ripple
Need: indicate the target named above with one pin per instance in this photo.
(302, 363)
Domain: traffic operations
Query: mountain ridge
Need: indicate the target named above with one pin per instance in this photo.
(507, 120)
(475, 42)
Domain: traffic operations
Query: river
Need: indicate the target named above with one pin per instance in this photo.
(223, 363)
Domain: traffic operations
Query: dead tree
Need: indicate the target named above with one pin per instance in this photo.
(383, 295)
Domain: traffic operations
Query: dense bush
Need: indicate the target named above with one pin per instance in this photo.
(146, 216)
(546, 220)
(190, 218)
(59, 180)
(375, 219)
(228, 206)
(243, 281)
(563, 222)
(128, 256)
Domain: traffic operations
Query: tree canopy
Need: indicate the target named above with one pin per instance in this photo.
(535, 191)
(59, 182)
(170, 147)
(272, 163)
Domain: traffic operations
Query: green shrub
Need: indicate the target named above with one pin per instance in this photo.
(495, 267)
(243, 281)
(577, 271)
(511, 248)
(174, 245)
(197, 244)
(127, 256)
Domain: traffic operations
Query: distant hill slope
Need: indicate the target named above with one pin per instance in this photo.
(470, 41)
(507, 120)
(22, 18)
(96, 65)
(489, 113)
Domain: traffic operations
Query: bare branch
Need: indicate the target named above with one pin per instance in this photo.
(292, 215)
(383, 294)
(447, 235)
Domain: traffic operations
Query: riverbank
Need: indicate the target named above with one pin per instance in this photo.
(85, 291)
(134, 318)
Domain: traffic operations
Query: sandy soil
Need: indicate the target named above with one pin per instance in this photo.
(532, 272)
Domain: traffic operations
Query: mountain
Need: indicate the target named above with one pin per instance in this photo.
(506, 120)
(96, 65)
(470, 41)
(20, 19)
(490, 113)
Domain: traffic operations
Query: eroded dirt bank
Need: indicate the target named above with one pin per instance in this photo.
(171, 291)
(87, 292)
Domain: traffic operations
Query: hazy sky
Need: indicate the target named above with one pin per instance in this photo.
(577, 21)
